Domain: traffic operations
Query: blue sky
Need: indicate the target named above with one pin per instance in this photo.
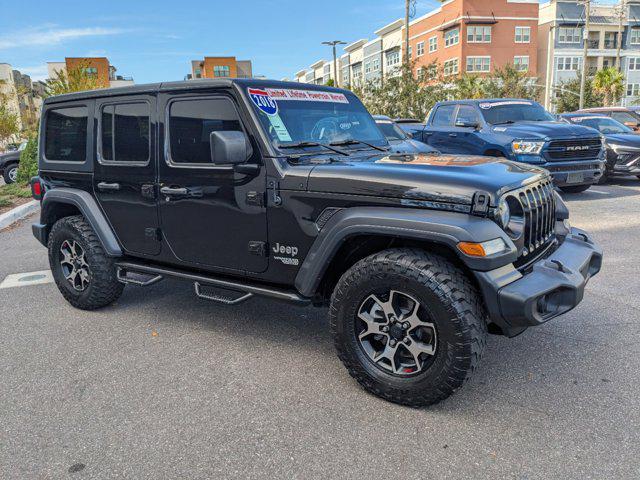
(155, 40)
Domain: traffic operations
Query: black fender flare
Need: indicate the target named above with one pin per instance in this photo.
(90, 210)
(447, 228)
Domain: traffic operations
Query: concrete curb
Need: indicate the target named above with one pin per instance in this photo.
(18, 213)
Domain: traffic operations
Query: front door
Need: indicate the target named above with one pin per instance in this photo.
(125, 170)
(443, 136)
(210, 214)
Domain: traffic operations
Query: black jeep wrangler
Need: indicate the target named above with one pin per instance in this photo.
(288, 191)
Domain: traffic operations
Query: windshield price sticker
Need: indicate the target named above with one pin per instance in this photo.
(263, 101)
(487, 105)
(279, 128)
(287, 94)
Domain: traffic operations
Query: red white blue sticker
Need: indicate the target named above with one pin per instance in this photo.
(263, 101)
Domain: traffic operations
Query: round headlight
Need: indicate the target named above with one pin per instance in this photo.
(503, 213)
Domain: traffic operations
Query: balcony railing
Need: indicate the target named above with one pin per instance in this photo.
(593, 43)
(610, 44)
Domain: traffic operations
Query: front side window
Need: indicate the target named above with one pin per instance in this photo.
(624, 117)
(452, 37)
(604, 125)
(478, 64)
(221, 71)
(467, 114)
(478, 34)
(291, 116)
(66, 134)
(191, 123)
(521, 63)
(523, 34)
(443, 116)
(125, 132)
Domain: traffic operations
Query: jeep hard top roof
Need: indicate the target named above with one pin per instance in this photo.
(186, 85)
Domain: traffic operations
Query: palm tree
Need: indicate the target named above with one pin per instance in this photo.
(469, 86)
(509, 82)
(609, 83)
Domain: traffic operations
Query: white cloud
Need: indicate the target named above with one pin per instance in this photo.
(51, 35)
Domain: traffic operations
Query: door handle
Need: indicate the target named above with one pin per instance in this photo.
(174, 191)
(111, 187)
(428, 134)
(453, 134)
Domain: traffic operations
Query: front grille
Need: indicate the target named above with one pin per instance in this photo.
(538, 214)
(564, 149)
(573, 168)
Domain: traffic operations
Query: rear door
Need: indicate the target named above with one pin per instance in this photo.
(125, 170)
(440, 133)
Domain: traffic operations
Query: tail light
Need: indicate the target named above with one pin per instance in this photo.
(37, 189)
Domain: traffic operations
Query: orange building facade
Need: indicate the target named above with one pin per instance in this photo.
(221, 67)
(477, 36)
(96, 66)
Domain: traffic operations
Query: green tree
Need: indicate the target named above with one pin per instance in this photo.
(469, 86)
(28, 166)
(75, 80)
(509, 82)
(330, 83)
(8, 120)
(567, 95)
(608, 82)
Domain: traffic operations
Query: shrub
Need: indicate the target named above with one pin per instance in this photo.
(28, 161)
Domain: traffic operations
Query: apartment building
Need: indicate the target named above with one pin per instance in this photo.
(477, 36)
(560, 44)
(22, 97)
(220, 67)
(100, 67)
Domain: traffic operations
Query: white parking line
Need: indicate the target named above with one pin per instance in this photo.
(591, 190)
(26, 279)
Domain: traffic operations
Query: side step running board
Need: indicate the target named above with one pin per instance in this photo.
(248, 289)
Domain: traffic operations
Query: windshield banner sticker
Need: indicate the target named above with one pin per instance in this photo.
(284, 94)
(487, 105)
(263, 101)
(594, 117)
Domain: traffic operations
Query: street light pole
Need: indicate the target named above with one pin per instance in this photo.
(333, 44)
(585, 52)
(621, 14)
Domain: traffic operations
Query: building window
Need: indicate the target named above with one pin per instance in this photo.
(376, 64)
(410, 51)
(367, 67)
(452, 37)
(91, 71)
(633, 89)
(568, 63)
(393, 58)
(125, 133)
(198, 73)
(478, 34)
(523, 34)
(451, 67)
(422, 72)
(478, 64)
(420, 49)
(634, 38)
(634, 63)
(433, 44)
(221, 71)
(521, 63)
(357, 72)
(569, 34)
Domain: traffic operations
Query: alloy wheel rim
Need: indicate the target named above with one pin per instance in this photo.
(395, 332)
(13, 174)
(74, 265)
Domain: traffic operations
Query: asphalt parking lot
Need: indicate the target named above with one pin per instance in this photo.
(165, 385)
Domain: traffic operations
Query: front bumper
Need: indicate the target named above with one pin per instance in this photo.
(591, 169)
(550, 287)
(625, 163)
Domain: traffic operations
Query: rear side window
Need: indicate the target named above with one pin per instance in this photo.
(191, 123)
(125, 133)
(443, 116)
(66, 134)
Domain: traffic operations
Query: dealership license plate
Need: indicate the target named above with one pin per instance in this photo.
(575, 177)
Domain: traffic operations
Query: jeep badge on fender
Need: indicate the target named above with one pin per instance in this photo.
(290, 191)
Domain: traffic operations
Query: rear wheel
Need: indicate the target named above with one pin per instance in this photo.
(83, 272)
(10, 174)
(408, 325)
(575, 188)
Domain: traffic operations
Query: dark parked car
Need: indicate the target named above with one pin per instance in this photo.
(9, 163)
(520, 130)
(289, 191)
(626, 116)
(622, 144)
(399, 140)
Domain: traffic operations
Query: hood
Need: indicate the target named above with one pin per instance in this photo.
(410, 146)
(15, 155)
(431, 178)
(624, 139)
(543, 130)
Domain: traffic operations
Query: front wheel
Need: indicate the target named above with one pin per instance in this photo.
(83, 272)
(575, 188)
(408, 325)
(10, 174)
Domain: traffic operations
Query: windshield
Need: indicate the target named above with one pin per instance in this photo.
(291, 116)
(390, 130)
(511, 111)
(604, 125)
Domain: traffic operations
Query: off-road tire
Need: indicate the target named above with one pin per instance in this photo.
(103, 288)
(455, 307)
(575, 188)
(7, 174)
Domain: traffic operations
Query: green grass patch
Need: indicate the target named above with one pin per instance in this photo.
(15, 190)
(5, 202)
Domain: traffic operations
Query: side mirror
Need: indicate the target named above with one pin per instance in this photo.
(228, 147)
(466, 124)
(409, 134)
